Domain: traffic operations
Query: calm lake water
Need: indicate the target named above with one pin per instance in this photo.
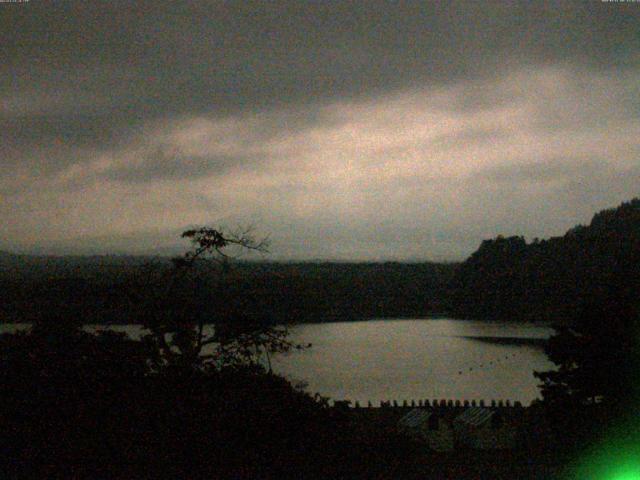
(419, 359)
(413, 359)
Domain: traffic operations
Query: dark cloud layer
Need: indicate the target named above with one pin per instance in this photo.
(295, 111)
(172, 165)
(155, 59)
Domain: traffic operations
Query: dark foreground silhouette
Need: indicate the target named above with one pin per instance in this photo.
(85, 406)
(79, 405)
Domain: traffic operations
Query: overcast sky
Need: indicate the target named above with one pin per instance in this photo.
(344, 130)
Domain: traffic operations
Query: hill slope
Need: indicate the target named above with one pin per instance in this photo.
(508, 278)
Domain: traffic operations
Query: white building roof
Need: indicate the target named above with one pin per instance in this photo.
(474, 416)
(415, 418)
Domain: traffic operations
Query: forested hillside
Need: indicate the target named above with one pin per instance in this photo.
(103, 289)
(508, 278)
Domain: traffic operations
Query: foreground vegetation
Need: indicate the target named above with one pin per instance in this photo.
(80, 405)
(77, 405)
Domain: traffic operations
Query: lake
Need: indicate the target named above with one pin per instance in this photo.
(419, 359)
(413, 359)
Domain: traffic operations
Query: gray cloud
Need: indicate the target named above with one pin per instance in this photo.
(172, 165)
(542, 171)
(156, 59)
(320, 119)
(468, 136)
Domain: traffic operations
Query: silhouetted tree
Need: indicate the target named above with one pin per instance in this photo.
(171, 309)
(599, 354)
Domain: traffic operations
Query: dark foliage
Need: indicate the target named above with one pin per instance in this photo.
(550, 280)
(598, 356)
(595, 383)
(586, 283)
(283, 292)
(78, 405)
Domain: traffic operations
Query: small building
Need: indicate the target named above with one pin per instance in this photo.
(428, 426)
(484, 429)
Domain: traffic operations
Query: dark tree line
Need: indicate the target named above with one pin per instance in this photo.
(587, 283)
(300, 292)
(506, 279)
(549, 280)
